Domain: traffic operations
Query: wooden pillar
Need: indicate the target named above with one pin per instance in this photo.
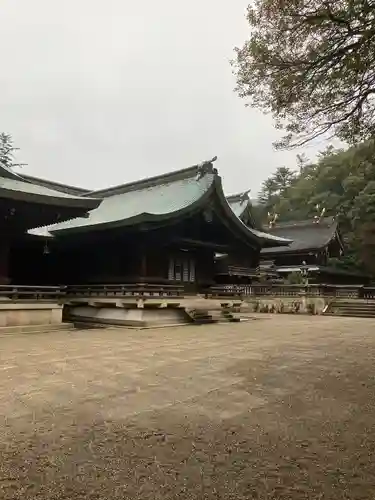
(4, 263)
(143, 265)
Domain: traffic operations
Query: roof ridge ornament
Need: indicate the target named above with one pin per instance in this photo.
(272, 218)
(206, 167)
(319, 218)
(244, 196)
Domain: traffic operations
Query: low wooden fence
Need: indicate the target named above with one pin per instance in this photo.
(31, 293)
(274, 290)
(53, 293)
(125, 290)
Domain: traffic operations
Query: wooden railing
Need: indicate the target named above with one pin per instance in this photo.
(32, 293)
(241, 271)
(125, 290)
(276, 290)
(368, 292)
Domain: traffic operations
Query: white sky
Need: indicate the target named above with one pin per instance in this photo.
(97, 93)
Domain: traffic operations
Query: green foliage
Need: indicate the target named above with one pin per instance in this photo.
(311, 63)
(343, 182)
(275, 187)
(7, 151)
(295, 278)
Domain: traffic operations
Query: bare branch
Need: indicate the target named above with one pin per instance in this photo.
(311, 63)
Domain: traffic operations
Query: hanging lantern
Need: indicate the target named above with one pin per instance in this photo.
(46, 250)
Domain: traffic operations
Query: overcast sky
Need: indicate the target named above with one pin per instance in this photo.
(101, 92)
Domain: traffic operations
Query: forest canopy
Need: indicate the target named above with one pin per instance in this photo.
(342, 182)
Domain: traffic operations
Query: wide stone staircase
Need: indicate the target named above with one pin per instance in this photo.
(200, 316)
(227, 313)
(359, 308)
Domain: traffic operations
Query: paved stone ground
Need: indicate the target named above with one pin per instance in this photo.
(278, 408)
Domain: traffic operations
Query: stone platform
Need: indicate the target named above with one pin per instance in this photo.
(27, 313)
(138, 312)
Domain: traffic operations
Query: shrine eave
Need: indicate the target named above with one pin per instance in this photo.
(53, 200)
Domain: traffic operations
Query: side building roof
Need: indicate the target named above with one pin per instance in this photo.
(159, 198)
(306, 235)
(241, 205)
(16, 187)
(19, 195)
(56, 186)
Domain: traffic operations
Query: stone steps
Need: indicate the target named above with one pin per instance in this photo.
(227, 315)
(351, 308)
(351, 314)
(200, 316)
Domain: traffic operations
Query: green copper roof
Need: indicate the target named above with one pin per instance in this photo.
(162, 197)
(26, 187)
(14, 186)
(157, 197)
(56, 186)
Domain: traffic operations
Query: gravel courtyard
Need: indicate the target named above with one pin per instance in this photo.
(276, 408)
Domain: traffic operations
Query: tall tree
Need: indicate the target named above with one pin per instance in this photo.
(268, 191)
(283, 178)
(311, 63)
(273, 187)
(363, 213)
(7, 151)
(302, 162)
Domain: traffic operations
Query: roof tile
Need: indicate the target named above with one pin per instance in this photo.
(305, 235)
(160, 199)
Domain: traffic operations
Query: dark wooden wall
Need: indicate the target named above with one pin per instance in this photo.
(4, 262)
(127, 255)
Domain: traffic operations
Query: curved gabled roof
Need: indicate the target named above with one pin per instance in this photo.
(161, 197)
(158, 198)
(306, 234)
